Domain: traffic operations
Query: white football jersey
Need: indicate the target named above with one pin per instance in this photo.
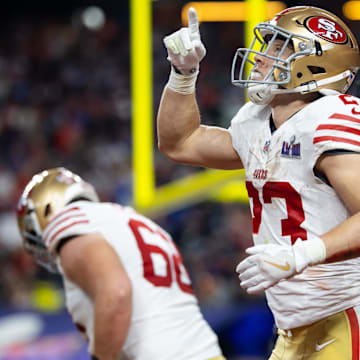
(289, 202)
(166, 320)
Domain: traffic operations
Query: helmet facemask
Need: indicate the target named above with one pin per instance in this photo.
(265, 36)
(32, 238)
(280, 72)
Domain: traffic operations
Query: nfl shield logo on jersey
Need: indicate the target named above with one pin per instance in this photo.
(266, 146)
(290, 149)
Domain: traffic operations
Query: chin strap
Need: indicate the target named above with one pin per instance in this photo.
(263, 93)
(313, 85)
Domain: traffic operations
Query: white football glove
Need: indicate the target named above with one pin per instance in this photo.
(270, 263)
(185, 49)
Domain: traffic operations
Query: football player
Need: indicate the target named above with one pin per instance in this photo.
(299, 141)
(126, 287)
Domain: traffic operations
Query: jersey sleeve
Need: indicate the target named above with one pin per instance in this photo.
(73, 220)
(339, 130)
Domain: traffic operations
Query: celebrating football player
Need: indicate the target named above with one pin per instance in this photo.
(126, 287)
(299, 141)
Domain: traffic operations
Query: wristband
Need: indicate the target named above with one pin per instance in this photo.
(182, 84)
(309, 252)
(316, 250)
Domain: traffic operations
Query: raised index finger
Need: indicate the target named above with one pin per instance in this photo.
(193, 21)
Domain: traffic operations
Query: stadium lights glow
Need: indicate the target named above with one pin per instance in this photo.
(212, 11)
(93, 18)
(351, 10)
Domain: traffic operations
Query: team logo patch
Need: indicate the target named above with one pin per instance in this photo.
(326, 29)
(291, 149)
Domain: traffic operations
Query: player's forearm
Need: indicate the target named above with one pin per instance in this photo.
(178, 116)
(112, 321)
(343, 242)
(177, 119)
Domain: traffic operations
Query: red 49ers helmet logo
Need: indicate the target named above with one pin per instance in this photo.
(326, 29)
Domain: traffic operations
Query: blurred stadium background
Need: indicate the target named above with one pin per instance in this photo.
(67, 97)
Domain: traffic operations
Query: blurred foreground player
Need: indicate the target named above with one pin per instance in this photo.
(126, 287)
(299, 142)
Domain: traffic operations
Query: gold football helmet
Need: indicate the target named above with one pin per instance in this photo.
(325, 55)
(44, 196)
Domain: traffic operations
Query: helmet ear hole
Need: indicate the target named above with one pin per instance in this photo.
(316, 69)
(47, 210)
